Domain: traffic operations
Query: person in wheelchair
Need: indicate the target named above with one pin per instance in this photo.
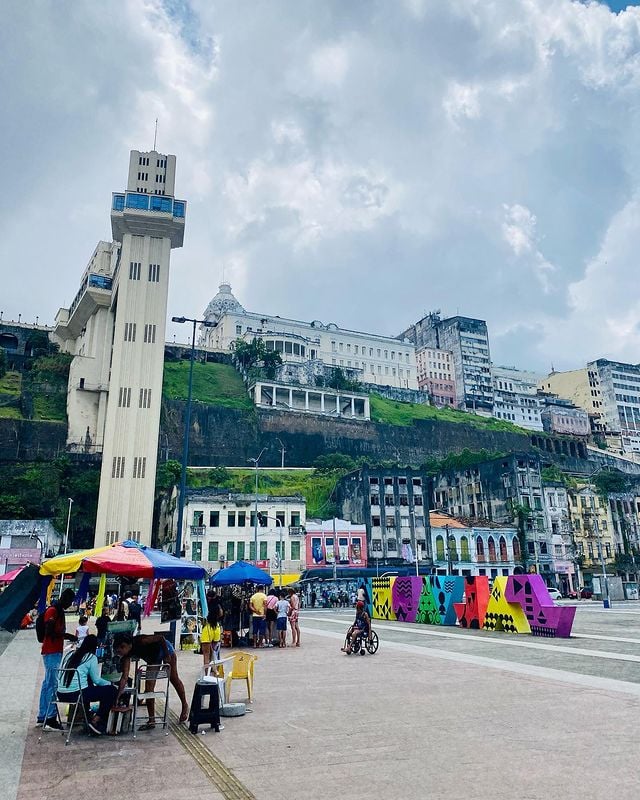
(361, 627)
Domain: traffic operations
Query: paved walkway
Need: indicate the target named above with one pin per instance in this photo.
(434, 716)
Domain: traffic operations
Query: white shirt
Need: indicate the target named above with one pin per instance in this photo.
(283, 608)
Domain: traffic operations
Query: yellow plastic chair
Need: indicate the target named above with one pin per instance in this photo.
(241, 670)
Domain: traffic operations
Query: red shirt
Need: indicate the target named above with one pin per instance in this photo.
(55, 643)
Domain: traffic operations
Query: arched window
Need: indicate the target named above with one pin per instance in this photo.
(492, 548)
(480, 548)
(516, 548)
(504, 556)
(439, 548)
(453, 548)
(464, 549)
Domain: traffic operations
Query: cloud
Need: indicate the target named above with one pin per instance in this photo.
(362, 163)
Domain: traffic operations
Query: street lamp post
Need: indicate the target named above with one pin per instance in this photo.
(283, 450)
(606, 600)
(256, 463)
(279, 528)
(185, 440)
(66, 535)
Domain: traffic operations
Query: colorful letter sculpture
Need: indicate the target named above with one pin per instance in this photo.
(545, 618)
(501, 614)
(471, 613)
(405, 597)
(517, 604)
(447, 590)
(381, 598)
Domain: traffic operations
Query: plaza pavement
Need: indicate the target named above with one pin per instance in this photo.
(435, 713)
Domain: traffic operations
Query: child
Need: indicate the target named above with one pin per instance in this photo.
(210, 637)
(82, 631)
(284, 609)
(102, 625)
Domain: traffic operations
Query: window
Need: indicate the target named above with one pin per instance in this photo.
(178, 208)
(240, 551)
(392, 545)
(242, 519)
(154, 273)
(198, 518)
(375, 500)
(124, 397)
(295, 551)
(531, 548)
(281, 517)
(373, 481)
(112, 537)
(144, 401)
(139, 466)
(117, 467)
(537, 502)
(231, 551)
(129, 331)
(239, 331)
(281, 554)
(213, 551)
(440, 548)
(214, 519)
(134, 270)
(137, 200)
(231, 519)
(295, 519)
(150, 334)
(288, 348)
(607, 549)
(464, 549)
(196, 551)
(262, 520)
(263, 551)
(252, 551)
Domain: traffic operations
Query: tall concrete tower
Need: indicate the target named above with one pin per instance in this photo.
(148, 223)
(116, 330)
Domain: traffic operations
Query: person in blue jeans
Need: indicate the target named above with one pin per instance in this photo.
(83, 677)
(55, 634)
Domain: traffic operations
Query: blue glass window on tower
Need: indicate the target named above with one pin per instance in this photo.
(161, 204)
(178, 208)
(135, 200)
(118, 202)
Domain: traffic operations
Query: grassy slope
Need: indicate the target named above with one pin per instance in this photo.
(315, 488)
(10, 388)
(215, 384)
(392, 412)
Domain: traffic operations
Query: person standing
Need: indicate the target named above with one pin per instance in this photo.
(283, 608)
(314, 597)
(258, 606)
(272, 615)
(210, 636)
(135, 613)
(55, 634)
(294, 603)
(102, 625)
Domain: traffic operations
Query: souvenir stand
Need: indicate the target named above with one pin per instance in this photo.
(241, 574)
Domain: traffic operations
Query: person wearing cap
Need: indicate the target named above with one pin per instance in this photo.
(361, 626)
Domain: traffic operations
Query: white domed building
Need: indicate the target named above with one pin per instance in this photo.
(223, 303)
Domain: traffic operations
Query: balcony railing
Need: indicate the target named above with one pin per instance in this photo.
(296, 530)
(197, 530)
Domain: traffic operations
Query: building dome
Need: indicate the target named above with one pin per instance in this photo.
(223, 303)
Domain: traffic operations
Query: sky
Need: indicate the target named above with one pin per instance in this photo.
(361, 163)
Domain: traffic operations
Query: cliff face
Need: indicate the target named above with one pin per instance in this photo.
(227, 436)
(30, 440)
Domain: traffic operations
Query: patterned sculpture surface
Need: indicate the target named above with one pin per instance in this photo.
(405, 597)
(502, 615)
(544, 617)
(427, 608)
(381, 598)
(471, 613)
(447, 590)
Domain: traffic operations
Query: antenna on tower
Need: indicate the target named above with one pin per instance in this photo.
(155, 135)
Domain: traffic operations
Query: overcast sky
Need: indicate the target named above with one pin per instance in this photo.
(354, 162)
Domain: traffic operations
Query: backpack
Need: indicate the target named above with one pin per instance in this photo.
(40, 627)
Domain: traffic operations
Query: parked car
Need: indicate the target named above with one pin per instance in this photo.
(585, 594)
(555, 594)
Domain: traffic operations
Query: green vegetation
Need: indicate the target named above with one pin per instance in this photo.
(463, 460)
(255, 359)
(316, 488)
(45, 384)
(10, 412)
(10, 383)
(214, 384)
(40, 490)
(610, 481)
(338, 380)
(553, 474)
(393, 412)
(10, 386)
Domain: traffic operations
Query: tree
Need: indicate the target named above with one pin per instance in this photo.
(253, 355)
(334, 461)
(610, 481)
(168, 475)
(339, 381)
(553, 474)
(219, 476)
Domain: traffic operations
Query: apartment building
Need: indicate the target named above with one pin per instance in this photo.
(219, 528)
(336, 542)
(436, 375)
(467, 340)
(516, 397)
(565, 563)
(593, 532)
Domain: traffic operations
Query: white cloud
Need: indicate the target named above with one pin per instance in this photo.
(364, 162)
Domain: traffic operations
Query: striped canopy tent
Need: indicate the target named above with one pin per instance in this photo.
(128, 559)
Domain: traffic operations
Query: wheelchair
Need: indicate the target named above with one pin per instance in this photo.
(363, 643)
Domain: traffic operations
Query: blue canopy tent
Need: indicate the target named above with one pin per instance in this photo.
(240, 572)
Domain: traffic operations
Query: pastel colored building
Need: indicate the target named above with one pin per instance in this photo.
(436, 375)
(336, 541)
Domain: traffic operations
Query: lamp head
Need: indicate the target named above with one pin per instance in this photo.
(178, 319)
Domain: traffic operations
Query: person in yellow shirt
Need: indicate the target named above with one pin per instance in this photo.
(210, 636)
(258, 606)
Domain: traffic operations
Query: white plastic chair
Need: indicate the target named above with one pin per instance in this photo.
(214, 672)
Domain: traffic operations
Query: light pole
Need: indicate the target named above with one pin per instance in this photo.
(185, 440)
(256, 463)
(415, 542)
(282, 452)
(279, 528)
(606, 600)
(66, 535)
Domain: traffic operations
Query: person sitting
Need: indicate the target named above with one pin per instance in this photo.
(86, 681)
(152, 649)
(82, 629)
(361, 627)
(29, 619)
